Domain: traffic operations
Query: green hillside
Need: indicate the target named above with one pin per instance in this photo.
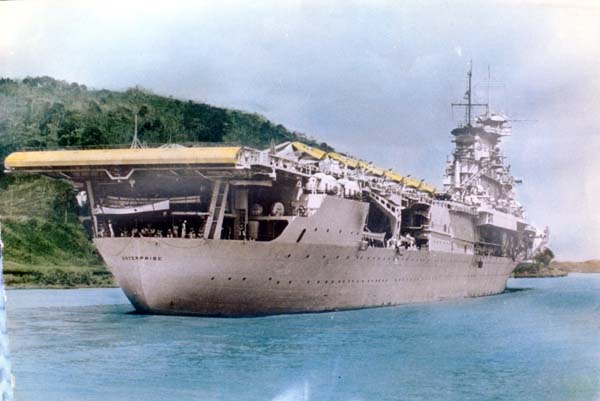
(43, 112)
(45, 242)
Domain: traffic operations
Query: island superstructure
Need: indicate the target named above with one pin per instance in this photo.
(237, 231)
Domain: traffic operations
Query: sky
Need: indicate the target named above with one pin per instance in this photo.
(371, 78)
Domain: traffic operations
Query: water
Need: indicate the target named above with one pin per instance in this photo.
(538, 341)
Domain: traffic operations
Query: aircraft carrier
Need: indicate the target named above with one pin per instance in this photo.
(236, 231)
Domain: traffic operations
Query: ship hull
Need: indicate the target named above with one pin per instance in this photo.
(239, 278)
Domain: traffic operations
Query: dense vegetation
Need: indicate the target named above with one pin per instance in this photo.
(43, 112)
(540, 266)
(46, 244)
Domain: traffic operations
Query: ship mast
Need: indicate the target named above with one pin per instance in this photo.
(469, 98)
(469, 106)
(489, 90)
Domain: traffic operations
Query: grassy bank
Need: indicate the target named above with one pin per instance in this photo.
(557, 269)
(45, 243)
(533, 270)
(18, 275)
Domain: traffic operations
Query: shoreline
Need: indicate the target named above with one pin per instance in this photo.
(542, 274)
(556, 269)
(57, 287)
(27, 276)
(18, 276)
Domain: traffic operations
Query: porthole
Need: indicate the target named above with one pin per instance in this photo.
(324, 256)
(270, 278)
(307, 256)
(307, 281)
(327, 230)
(340, 231)
(325, 281)
(318, 281)
(289, 255)
(277, 282)
(243, 278)
(212, 278)
(290, 282)
(228, 278)
(316, 229)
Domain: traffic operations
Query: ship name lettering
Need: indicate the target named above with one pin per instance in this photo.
(142, 257)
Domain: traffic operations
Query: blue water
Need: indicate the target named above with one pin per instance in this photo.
(538, 341)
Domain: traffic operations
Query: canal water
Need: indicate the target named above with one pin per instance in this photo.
(540, 340)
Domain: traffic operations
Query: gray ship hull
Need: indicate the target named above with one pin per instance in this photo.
(240, 278)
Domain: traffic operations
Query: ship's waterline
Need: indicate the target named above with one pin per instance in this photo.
(237, 278)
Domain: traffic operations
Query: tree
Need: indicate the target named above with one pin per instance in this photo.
(544, 257)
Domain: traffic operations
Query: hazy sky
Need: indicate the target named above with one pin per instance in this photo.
(372, 78)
